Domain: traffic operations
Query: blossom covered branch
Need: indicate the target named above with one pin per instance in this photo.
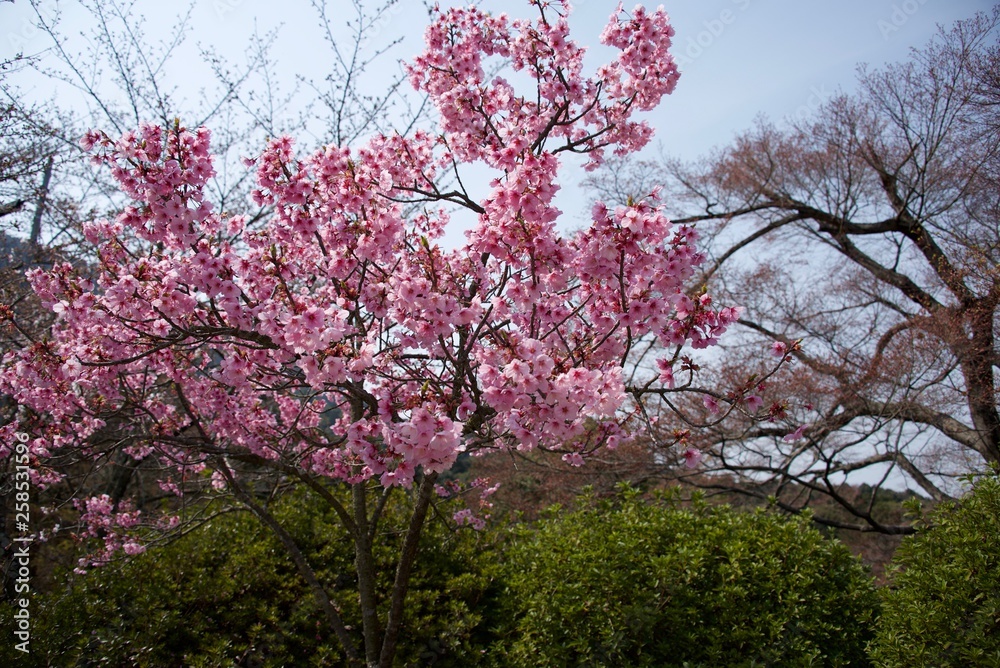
(341, 336)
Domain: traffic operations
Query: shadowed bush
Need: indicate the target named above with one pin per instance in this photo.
(227, 595)
(627, 583)
(942, 606)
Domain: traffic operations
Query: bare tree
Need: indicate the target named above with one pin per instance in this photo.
(870, 233)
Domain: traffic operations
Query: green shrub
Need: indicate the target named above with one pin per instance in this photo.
(627, 583)
(942, 607)
(227, 595)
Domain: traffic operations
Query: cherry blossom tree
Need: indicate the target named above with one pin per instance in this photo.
(339, 341)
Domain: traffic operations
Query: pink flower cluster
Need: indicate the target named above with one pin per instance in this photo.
(492, 121)
(100, 519)
(477, 511)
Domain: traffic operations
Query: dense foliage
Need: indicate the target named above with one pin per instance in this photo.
(943, 606)
(227, 594)
(626, 583)
(619, 582)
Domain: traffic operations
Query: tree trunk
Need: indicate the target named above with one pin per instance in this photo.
(365, 564)
(403, 570)
(43, 195)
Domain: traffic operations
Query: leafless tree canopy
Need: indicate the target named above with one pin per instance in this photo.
(870, 232)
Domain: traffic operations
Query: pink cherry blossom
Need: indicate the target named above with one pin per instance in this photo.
(344, 302)
(796, 435)
(692, 458)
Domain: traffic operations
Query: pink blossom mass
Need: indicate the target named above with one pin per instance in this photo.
(338, 336)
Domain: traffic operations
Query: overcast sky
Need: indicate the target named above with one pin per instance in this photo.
(739, 58)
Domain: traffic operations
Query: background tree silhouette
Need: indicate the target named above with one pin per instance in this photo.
(869, 233)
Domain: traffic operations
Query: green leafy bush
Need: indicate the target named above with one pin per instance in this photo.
(942, 607)
(227, 595)
(627, 583)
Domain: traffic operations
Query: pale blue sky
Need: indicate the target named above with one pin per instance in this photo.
(739, 58)
(781, 58)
